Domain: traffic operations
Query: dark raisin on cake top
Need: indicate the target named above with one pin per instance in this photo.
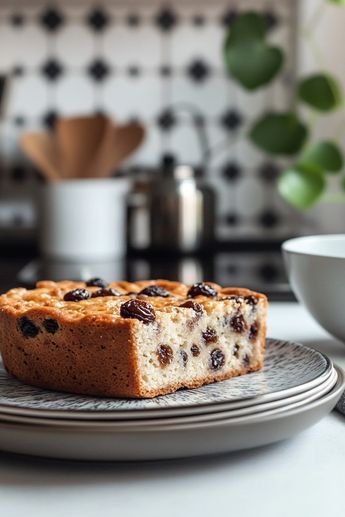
(76, 295)
(96, 282)
(201, 289)
(138, 309)
(105, 291)
(155, 290)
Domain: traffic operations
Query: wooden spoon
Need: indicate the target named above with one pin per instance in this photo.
(128, 139)
(118, 144)
(78, 139)
(41, 149)
(101, 162)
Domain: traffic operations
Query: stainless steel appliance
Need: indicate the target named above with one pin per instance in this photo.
(171, 209)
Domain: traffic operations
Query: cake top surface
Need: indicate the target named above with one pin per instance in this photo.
(76, 300)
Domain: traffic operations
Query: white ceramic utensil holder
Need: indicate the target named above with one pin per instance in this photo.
(83, 219)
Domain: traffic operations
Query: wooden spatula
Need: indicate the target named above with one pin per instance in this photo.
(101, 162)
(118, 144)
(127, 139)
(41, 149)
(78, 139)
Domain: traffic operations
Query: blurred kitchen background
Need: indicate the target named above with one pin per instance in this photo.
(158, 65)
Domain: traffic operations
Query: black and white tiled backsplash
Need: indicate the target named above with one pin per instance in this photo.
(137, 60)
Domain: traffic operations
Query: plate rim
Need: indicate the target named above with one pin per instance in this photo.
(219, 437)
(310, 395)
(178, 409)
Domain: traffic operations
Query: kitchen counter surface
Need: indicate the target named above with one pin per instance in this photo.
(299, 477)
(261, 268)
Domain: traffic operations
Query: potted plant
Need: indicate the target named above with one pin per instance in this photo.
(254, 63)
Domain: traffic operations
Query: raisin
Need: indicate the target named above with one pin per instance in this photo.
(195, 350)
(96, 282)
(246, 360)
(51, 325)
(28, 327)
(139, 310)
(190, 304)
(238, 323)
(235, 350)
(105, 291)
(165, 354)
(251, 300)
(201, 289)
(217, 359)
(209, 335)
(77, 295)
(184, 357)
(254, 330)
(155, 290)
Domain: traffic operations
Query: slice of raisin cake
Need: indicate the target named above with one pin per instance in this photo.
(126, 339)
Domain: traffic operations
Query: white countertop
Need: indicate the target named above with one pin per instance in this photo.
(300, 477)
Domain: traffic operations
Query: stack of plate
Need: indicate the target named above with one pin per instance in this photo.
(297, 387)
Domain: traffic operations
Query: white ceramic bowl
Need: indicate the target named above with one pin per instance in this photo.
(316, 270)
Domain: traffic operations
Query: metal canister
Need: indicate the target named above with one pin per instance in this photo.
(172, 209)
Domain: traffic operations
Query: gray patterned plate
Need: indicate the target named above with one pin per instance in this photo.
(167, 441)
(290, 368)
(147, 423)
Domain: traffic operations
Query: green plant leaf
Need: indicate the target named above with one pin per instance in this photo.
(279, 133)
(324, 155)
(255, 65)
(338, 2)
(247, 28)
(320, 91)
(301, 186)
(248, 58)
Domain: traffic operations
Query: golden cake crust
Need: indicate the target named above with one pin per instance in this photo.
(93, 351)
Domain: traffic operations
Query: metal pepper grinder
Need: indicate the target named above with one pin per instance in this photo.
(171, 209)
